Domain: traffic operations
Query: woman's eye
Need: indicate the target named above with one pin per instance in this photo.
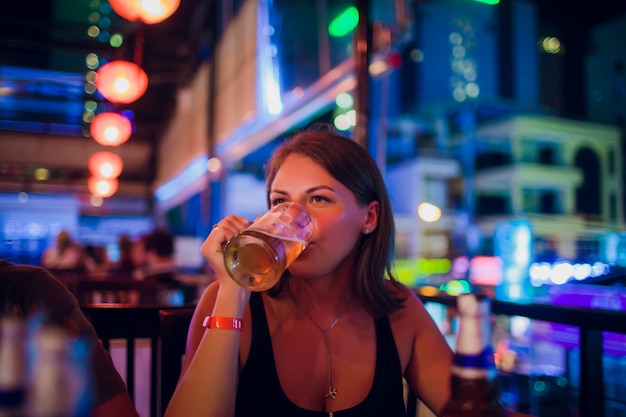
(318, 199)
(277, 201)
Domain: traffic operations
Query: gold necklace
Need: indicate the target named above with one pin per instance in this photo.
(332, 391)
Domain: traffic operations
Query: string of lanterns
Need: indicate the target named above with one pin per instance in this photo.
(121, 82)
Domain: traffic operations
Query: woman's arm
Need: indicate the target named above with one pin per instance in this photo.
(430, 365)
(208, 381)
(429, 369)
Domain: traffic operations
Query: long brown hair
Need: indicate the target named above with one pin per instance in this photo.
(353, 166)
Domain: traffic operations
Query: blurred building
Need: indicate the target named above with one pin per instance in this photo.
(561, 175)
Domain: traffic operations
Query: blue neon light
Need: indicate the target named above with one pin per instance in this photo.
(196, 169)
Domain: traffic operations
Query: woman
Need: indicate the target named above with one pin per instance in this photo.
(338, 333)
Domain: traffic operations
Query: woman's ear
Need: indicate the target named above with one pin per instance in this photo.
(371, 219)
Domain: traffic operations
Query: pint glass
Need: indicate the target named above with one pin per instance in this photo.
(257, 257)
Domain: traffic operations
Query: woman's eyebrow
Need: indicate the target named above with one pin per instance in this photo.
(275, 191)
(320, 187)
(308, 191)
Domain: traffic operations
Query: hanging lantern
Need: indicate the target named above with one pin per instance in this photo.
(110, 129)
(121, 81)
(105, 164)
(101, 187)
(147, 11)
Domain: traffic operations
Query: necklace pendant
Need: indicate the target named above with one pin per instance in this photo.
(332, 393)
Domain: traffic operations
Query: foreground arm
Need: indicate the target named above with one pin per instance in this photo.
(37, 293)
(208, 381)
(120, 406)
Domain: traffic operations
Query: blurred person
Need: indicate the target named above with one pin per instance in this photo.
(157, 252)
(138, 255)
(65, 254)
(124, 266)
(96, 259)
(27, 291)
(161, 269)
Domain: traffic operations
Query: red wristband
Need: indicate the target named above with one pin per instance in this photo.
(228, 323)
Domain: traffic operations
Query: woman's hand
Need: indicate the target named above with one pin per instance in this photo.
(213, 245)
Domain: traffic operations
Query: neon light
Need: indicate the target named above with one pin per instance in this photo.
(344, 23)
(192, 172)
(410, 271)
(544, 273)
(455, 287)
(486, 270)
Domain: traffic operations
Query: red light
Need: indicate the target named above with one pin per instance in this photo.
(121, 81)
(105, 164)
(148, 12)
(394, 59)
(110, 129)
(101, 187)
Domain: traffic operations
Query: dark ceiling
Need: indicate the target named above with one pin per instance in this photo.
(51, 35)
(43, 50)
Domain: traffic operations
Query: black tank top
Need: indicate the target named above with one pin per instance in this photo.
(260, 393)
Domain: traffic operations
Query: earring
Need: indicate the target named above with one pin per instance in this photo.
(366, 231)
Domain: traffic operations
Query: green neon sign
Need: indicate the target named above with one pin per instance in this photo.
(345, 23)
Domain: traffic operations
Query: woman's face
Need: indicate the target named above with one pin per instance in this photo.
(338, 217)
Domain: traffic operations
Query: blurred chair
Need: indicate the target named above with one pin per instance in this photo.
(166, 331)
(94, 291)
(174, 325)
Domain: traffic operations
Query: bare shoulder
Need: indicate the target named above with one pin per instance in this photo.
(412, 306)
(424, 353)
(412, 325)
(407, 321)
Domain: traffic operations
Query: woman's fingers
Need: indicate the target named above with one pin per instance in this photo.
(220, 234)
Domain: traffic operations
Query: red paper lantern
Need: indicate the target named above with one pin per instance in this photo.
(147, 11)
(110, 129)
(121, 81)
(106, 165)
(101, 187)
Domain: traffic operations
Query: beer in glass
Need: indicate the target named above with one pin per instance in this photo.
(257, 257)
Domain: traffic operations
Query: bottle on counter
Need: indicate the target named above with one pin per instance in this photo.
(474, 375)
(13, 373)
